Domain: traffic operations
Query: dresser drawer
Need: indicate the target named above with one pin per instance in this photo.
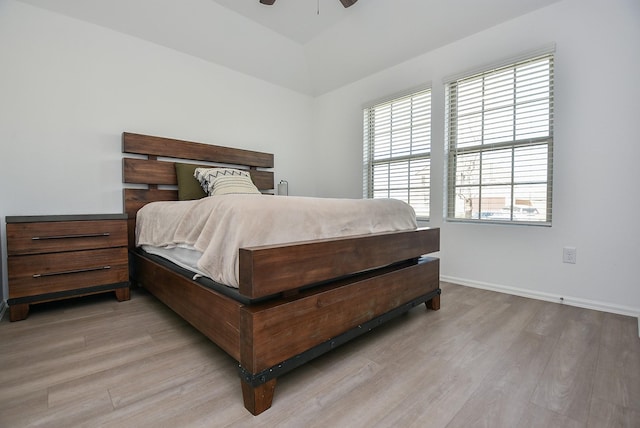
(49, 237)
(32, 275)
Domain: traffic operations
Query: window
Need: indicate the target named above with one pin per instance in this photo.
(500, 144)
(397, 150)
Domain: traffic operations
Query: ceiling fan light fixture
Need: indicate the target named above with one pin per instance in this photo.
(269, 2)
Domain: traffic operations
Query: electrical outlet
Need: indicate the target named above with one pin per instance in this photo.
(569, 255)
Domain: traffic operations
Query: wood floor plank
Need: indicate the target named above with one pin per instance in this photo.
(605, 414)
(566, 385)
(484, 359)
(618, 388)
(153, 370)
(538, 417)
(617, 377)
(551, 318)
(503, 397)
(443, 394)
(72, 414)
(155, 409)
(400, 388)
(16, 407)
(63, 368)
(621, 351)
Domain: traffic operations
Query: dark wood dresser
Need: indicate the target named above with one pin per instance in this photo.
(60, 256)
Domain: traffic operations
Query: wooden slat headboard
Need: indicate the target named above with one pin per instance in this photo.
(168, 147)
(153, 172)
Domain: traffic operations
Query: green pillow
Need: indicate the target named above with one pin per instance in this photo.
(188, 187)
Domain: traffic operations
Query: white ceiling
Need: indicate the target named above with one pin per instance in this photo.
(298, 20)
(290, 44)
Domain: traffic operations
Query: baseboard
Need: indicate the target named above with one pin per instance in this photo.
(567, 300)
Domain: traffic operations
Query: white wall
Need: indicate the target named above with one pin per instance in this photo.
(597, 147)
(215, 33)
(68, 90)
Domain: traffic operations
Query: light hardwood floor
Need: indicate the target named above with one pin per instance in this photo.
(484, 360)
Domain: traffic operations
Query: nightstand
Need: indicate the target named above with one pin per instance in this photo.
(60, 256)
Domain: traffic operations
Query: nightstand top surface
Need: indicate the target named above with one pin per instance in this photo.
(71, 217)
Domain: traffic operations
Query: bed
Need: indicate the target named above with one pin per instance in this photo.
(294, 301)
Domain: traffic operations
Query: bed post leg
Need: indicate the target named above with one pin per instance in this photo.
(434, 303)
(257, 399)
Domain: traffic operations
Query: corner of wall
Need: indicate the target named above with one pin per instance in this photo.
(2, 280)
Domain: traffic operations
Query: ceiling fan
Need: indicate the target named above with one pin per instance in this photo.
(345, 3)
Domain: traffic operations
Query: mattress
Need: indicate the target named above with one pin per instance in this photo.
(216, 227)
(184, 256)
(164, 258)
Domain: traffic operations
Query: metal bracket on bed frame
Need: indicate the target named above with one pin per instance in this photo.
(266, 375)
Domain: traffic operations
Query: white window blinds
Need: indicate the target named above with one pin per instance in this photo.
(397, 150)
(500, 144)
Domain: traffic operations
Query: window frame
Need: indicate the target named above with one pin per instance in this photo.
(370, 162)
(454, 152)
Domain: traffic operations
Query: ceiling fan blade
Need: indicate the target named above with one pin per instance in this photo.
(347, 3)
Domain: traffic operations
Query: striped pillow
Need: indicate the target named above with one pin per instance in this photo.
(225, 181)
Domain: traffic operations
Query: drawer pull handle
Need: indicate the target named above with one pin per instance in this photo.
(42, 275)
(86, 235)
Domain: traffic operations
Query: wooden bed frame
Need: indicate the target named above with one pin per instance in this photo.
(305, 298)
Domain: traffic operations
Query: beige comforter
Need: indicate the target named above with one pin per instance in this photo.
(218, 226)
